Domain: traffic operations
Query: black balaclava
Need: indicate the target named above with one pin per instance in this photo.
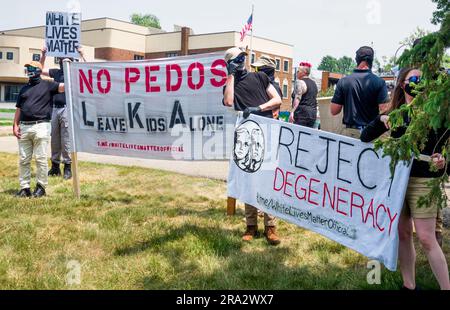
(270, 72)
(34, 75)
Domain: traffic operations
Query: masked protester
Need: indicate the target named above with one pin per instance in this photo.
(32, 128)
(252, 93)
(424, 218)
(60, 137)
(267, 65)
(304, 110)
(362, 95)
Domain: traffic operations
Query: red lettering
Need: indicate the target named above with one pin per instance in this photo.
(378, 209)
(288, 173)
(312, 191)
(370, 212)
(391, 220)
(275, 180)
(340, 200)
(360, 206)
(103, 90)
(219, 73)
(179, 78)
(85, 81)
(149, 79)
(327, 193)
(131, 79)
(296, 187)
(201, 70)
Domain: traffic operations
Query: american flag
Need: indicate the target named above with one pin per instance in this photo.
(247, 27)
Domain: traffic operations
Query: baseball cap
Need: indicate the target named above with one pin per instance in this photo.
(365, 53)
(265, 61)
(233, 53)
(35, 64)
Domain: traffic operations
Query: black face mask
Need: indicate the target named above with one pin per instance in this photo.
(241, 72)
(270, 72)
(409, 90)
(34, 75)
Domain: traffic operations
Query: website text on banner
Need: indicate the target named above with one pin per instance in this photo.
(161, 109)
(330, 184)
(63, 34)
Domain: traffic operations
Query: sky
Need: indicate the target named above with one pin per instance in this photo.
(314, 27)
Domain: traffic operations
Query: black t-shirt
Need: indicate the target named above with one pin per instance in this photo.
(360, 93)
(251, 91)
(58, 76)
(35, 101)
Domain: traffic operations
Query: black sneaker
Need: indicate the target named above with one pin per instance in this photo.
(67, 171)
(55, 171)
(39, 191)
(24, 193)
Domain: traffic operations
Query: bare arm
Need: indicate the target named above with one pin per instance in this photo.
(16, 126)
(42, 61)
(228, 96)
(61, 88)
(275, 101)
(335, 109)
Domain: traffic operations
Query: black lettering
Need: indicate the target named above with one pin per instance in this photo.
(177, 110)
(133, 114)
(340, 159)
(85, 120)
(328, 152)
(358, 170)
(284, 144)
(299, 149)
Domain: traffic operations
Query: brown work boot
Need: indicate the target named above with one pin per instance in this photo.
(250, 233)
(271, 236)
(439, 238)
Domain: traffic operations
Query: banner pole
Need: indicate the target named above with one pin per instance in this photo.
(74, 155)
(231, 206)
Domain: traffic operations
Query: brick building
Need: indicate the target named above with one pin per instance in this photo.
(107, 39)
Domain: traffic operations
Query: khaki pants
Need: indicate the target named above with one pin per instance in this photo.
(251, 216)
(60, 142)
(34, 140)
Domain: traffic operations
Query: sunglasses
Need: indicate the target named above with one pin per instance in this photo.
(414, 79)
(31, 69)
(239, 59)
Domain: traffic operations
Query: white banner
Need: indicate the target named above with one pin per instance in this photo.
(163, 109)
(63, 34)
(336, 186)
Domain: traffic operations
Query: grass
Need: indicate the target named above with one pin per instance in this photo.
(137, 228)
(6, 122)
(7, 110)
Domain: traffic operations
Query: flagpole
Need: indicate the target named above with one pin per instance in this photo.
(251, 38)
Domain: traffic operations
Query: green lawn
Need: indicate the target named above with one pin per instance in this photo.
(6, 122)
(137, 228)
(7, 110)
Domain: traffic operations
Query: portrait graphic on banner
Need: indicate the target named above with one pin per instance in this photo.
(63, 34)
(160, 109)
(330, 184)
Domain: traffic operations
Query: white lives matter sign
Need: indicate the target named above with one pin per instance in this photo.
(162, 109)
(336, 186)
(63, 34)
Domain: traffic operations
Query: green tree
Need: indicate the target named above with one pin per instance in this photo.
(345, 65)
(328, 63)
(430, 109)
(147, 20)
(417, 34)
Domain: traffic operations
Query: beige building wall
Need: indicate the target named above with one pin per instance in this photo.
(157, 43)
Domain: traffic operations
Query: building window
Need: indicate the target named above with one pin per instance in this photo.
(36, 57)
(170, 55)
(12, 92)
(285, 90)
(286, 66)
(278, 61)
(1, 55)
(9, 55)
(138, 57)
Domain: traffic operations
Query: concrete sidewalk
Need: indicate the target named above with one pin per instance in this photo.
(209, 169)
